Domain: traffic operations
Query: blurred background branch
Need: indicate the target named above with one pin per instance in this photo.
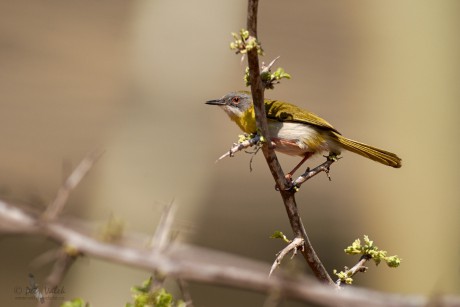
(201, 265)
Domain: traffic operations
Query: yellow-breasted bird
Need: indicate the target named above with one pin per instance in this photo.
(295, 131)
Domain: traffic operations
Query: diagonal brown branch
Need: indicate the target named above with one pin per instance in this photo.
(287, 195)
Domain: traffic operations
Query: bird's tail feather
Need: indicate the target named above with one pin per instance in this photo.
(373, 153)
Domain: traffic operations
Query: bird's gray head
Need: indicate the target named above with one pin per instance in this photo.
(234, 103)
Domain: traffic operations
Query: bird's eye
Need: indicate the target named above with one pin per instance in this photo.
(236, 100)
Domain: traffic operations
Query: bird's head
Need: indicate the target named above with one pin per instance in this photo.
(235, 104)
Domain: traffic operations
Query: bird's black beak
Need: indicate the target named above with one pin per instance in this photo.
(216, 102)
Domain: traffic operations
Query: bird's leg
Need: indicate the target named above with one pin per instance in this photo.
(305, 158)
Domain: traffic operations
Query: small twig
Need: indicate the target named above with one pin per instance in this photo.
(56, 207)
(158, 281)
(309, 173)
(63, 258)
(45, 258)
(62, 265)
(184, 289)
(160, 241)
(358, 267)
(294, 246)
(161, 237)
(253, 153)
(240, 146)
(274, 299)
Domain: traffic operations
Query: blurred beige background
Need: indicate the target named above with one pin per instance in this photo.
(132, 78)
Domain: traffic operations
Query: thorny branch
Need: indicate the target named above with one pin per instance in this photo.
(257, 90)
(192, 263)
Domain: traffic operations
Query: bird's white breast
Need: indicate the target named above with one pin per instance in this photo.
(296, 138)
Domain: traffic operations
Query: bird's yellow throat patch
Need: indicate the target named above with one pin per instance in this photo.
(246, 120)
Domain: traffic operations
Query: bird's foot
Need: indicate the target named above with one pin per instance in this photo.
(291, 186)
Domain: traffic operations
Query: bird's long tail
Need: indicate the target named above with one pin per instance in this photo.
(373, 153)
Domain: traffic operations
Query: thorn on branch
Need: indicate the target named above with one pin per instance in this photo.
(294, 246)
(186, 295)
(265, 69)
(253, 153)
(56, 207)
(161, 237)
(268, 78)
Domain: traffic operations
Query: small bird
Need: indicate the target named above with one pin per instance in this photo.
(295, 131)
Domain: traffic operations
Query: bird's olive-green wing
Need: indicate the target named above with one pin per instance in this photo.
(286, 112)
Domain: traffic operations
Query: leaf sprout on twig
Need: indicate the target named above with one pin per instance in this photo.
(368, 251)
(280, 235)
(244, 42)
(144, 296)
